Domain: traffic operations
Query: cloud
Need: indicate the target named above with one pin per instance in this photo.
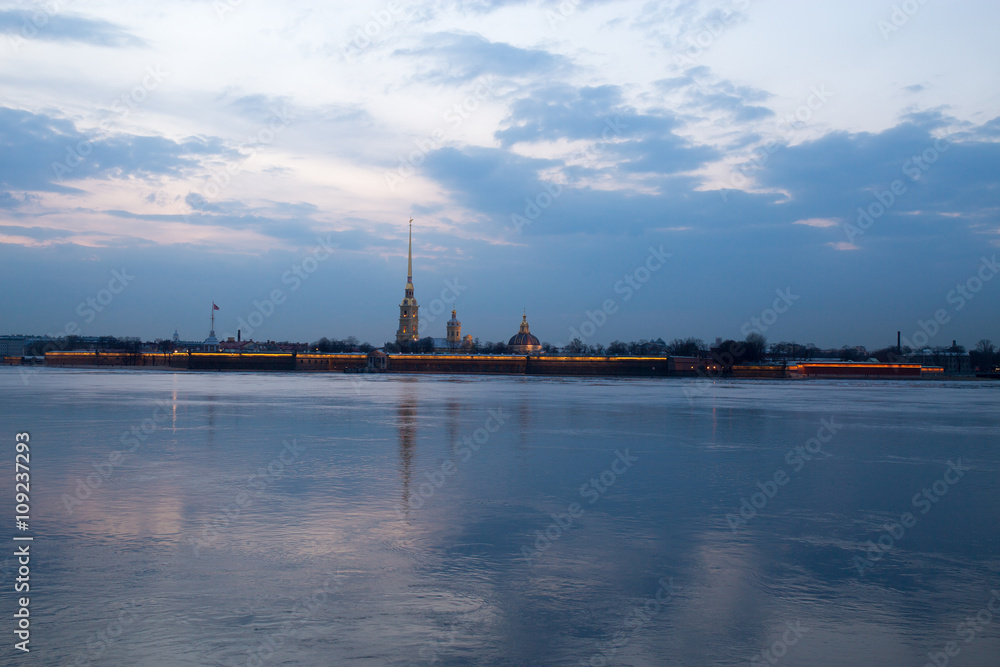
(815, 187)
(11, 200)
(688, 29)
(639, 142)
(839, 172)
(51, 26)
(564, 112)
(42, 153)
(506, 187)
(284, 221)
(822, 223)
(37, 234)
(457, 58)
(703, 93)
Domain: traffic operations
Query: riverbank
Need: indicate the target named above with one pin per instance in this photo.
(379, 362)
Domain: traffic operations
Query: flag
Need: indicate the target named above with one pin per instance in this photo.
(214, 307)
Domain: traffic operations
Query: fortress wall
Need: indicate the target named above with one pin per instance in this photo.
(626, 366)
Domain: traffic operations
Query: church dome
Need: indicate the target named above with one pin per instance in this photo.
(523, 340)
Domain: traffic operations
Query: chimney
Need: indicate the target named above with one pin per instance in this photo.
(899, 345)
(238, 335)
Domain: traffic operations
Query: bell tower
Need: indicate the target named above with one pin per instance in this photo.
(409, 322)
(454, 331)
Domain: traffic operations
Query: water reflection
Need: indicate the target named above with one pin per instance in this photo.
(452, 419)
(406, 420)
(450, 583)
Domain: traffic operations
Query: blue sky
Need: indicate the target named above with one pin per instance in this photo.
(655, 169)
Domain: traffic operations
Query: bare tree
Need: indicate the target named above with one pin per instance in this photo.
(756, 346)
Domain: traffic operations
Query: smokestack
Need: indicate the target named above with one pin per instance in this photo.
(238, 332)
(899, 345)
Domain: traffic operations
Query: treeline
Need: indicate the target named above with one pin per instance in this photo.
(349, 344)
(984, 356)
(752, 350)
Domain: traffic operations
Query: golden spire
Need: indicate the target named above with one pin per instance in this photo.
(409, 260)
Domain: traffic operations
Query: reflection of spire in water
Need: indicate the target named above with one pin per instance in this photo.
(210, 417)
(407, 418)
(524, 414)
(452, 424)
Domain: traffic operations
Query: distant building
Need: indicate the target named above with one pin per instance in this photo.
(523, 342)
(211, 343)
(953, 363)
(453, 341)
(454, 331)
(409, 321)
(12, 346)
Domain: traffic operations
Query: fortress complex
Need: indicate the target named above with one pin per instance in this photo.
(408, 333)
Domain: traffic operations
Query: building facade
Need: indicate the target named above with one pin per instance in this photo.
(12, 346)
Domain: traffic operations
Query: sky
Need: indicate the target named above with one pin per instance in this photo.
(824, 173)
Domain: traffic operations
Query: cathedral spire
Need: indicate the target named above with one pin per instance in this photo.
(409, 322)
